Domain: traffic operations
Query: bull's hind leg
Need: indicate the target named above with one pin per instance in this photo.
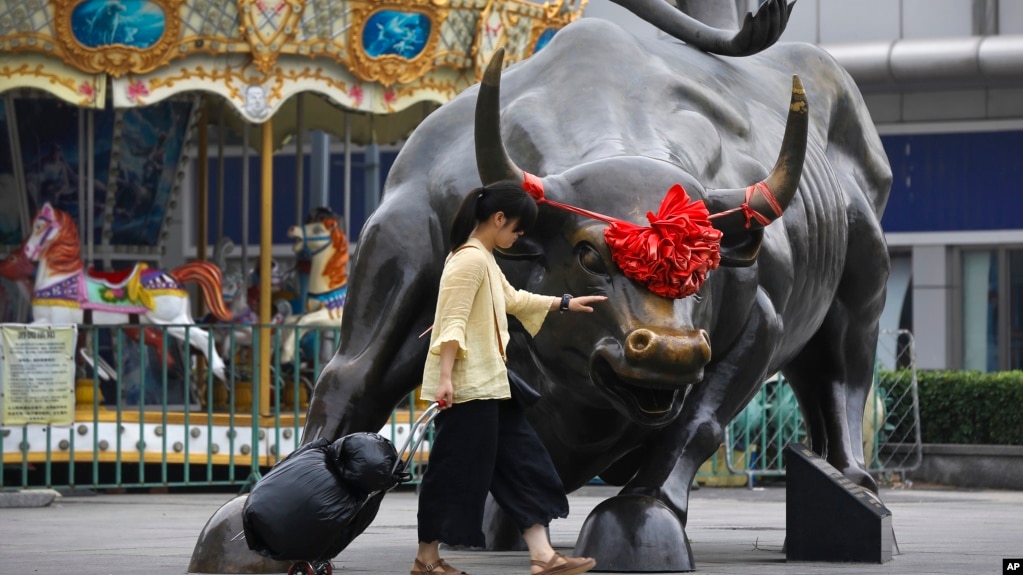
(833, 375)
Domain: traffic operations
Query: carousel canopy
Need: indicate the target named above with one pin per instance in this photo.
(391, 60)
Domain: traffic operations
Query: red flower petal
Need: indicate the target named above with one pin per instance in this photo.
(673, 255)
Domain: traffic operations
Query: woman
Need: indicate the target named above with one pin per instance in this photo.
(483, 441)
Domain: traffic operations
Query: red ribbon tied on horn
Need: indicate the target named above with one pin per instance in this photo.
(672, 256)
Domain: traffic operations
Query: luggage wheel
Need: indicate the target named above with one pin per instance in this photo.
(311, 568)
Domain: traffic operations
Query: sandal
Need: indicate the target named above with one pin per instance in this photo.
(571, 566)
(441, 566)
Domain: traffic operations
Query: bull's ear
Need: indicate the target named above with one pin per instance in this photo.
(525, 248)
(741, 252)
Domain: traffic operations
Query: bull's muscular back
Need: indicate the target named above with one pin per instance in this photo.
(597, 91)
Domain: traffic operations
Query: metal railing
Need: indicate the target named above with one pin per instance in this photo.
(149, 411)
(755, 440)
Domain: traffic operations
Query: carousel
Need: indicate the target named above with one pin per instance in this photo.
(142, 143)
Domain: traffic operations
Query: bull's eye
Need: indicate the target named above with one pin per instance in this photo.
(590, 259)
(697, 297)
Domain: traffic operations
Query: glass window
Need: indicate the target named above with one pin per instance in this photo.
(980, 310)
(1015, 315)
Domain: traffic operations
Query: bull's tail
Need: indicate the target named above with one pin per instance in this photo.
(210, 281)
(755, 34)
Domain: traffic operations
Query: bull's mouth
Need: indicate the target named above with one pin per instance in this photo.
(648, 401)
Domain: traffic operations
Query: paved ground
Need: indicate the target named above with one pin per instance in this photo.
(733, 531)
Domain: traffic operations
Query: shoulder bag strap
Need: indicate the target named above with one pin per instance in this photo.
(493, 309)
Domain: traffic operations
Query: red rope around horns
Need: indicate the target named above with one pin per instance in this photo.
(673, 255)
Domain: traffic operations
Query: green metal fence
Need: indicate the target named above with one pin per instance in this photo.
(149, 411)
(755, 441)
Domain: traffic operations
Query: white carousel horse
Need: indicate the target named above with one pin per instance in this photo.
(327, 247)
(64, 293)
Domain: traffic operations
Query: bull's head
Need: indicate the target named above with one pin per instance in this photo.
(650, 349)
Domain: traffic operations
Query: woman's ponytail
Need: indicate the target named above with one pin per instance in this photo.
(465, 219)
(480, 203)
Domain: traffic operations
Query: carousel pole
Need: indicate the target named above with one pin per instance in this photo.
(90, 184)
(348, 174)
(202, 173)
(221, 134)
(245, 204)
(299, 157)
(265, 246)
(203, 215)
(82, 206)
(19, 165)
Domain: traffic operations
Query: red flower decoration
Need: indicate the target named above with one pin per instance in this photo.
(137, 89)
(673, 255)
(356, 93)
(86, 89)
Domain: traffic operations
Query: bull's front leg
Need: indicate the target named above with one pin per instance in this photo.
(643, 528)
(379, 358)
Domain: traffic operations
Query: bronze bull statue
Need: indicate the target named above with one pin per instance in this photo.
(640, 393)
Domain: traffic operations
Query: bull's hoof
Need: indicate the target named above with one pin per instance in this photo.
(635, 533)
(221, 547)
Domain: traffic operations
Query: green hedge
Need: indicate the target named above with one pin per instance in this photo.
(967, 406)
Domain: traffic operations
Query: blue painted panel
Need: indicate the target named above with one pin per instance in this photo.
(955, 182)
(402, 34)
(135, 23)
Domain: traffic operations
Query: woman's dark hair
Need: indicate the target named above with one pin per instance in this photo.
(481, 203)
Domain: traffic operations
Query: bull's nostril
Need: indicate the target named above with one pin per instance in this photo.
(639, 340)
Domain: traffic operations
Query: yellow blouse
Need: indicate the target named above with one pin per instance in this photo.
(465, 314)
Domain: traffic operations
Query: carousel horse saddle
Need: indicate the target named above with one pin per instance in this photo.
(117, 278)
(120, 290)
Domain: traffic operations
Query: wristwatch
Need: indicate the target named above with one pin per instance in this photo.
(564, 303)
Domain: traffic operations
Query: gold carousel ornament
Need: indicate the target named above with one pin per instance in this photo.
(116, 36)
(379, 57)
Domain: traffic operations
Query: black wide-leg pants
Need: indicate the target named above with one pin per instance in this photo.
(480, 446)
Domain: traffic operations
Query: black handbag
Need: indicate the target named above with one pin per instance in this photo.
(522, 393)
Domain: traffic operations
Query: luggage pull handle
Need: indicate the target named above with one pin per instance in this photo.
(425, 419)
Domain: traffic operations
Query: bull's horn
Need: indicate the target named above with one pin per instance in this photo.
(492, 159)
(783, 181)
